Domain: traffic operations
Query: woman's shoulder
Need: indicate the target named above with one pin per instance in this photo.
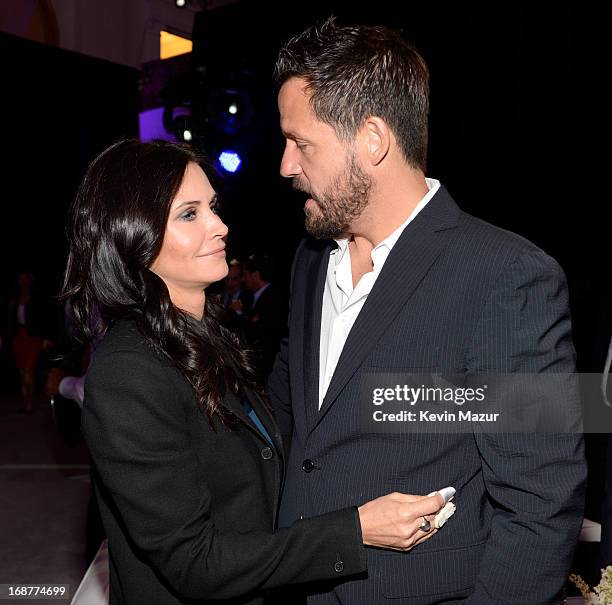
(125, 354)
(124, 340)
(123, 334)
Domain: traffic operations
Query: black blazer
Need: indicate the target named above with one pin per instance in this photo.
(190, 512)
(456, 295)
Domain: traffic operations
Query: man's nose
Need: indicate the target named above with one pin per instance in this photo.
(290, 166)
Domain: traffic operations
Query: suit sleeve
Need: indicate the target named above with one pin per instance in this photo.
(279, 391)
(137, 434)
(535, 480)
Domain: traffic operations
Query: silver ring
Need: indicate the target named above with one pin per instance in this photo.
(425, 526)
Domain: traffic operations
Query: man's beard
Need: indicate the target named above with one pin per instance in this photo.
(340, 204)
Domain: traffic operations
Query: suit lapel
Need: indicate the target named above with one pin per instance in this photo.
(407, 264)
(314, 305)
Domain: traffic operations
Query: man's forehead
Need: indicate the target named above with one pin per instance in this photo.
(293, 99)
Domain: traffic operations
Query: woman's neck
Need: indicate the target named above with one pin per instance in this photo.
(191, 301)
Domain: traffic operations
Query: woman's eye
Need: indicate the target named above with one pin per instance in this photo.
(189, 215)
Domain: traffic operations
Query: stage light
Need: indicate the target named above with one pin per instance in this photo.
(229, 110)
(230, 161)
(182, 128)
(179, 122)
(180, 3)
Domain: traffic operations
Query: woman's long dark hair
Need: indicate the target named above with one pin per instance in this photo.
(116, 227)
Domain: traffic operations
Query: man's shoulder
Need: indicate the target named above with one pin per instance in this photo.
(494, 245)
(474, 241)
(445, 214)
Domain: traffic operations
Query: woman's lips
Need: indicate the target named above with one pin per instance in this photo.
(218, 252)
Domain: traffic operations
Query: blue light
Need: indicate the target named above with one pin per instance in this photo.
(230, 161)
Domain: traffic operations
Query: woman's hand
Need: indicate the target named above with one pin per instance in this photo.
(394, 521)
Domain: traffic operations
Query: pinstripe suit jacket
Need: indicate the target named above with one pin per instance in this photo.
(455, 295)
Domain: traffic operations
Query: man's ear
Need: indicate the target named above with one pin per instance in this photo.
(377, 139)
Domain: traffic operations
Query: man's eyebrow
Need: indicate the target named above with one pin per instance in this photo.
(293, 136)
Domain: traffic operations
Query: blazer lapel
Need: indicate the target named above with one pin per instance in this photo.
(265, 415)
(232, 403)
(407, 264)
(312, 331)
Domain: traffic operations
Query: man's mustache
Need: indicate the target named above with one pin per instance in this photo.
(297, 186)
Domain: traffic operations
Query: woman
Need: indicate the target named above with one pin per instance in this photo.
(187, 460)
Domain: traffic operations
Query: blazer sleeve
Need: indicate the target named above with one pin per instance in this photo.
(535, 480)
(137, 433)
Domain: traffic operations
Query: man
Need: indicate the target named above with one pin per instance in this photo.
(266, 316)
(234, 297)
(399, 279)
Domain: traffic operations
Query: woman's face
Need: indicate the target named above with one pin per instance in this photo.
(192, 255)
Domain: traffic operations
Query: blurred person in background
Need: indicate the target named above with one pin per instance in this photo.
(28, 329)
(266, 317)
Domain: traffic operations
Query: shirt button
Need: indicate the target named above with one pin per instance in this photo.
(266, 453)
(308, 465)
(339, 566)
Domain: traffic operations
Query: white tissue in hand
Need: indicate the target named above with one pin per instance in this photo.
(444, 515)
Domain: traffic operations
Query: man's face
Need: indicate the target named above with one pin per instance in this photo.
(325, 168)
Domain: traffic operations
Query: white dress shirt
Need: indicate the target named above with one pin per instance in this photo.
(342, 303)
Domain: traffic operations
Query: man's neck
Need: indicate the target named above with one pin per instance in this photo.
(392, 202)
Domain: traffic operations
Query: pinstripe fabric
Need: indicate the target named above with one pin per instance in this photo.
(455, 295)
